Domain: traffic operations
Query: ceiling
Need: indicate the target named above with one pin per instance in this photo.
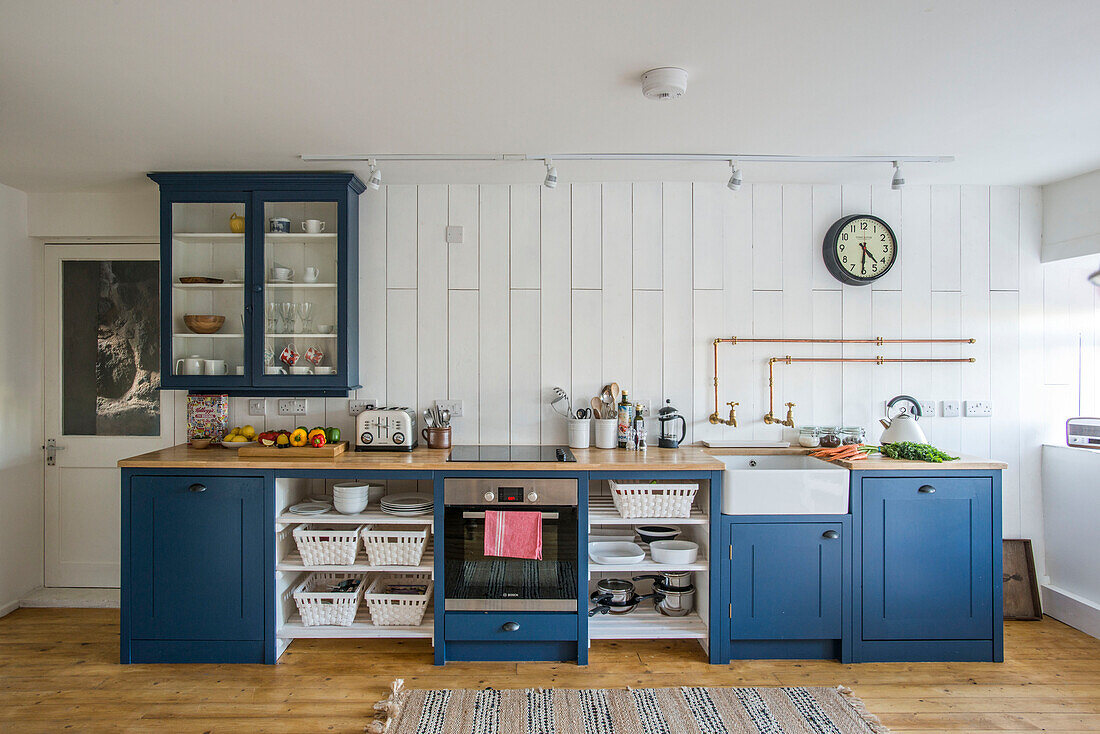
(93, 93)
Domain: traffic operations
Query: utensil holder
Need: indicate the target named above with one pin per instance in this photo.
(437, 438)
(607, 433)
(580, 432)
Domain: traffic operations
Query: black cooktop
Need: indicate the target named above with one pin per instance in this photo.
(511, 453)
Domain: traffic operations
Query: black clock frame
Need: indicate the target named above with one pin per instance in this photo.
(829, 255)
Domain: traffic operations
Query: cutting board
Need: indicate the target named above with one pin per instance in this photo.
(328, 451)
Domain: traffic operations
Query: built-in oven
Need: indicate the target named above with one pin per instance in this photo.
(474, 581)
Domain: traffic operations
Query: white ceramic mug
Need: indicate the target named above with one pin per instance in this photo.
(580, 433)
(310, 275)
(324, 370)
(189, 365)
(216, 367)
(240, 369)
(273, 370)
(313, 226)
(324, 328)
(278, 273)
(607, 433)
(300, 370)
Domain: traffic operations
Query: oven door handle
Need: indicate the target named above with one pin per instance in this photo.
(481, 515)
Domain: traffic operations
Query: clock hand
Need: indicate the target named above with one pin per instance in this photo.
(867, 252)
(863, 262)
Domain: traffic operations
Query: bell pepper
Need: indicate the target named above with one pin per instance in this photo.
(332, 434)
(299, 437)
(316, 432)
(318, 440)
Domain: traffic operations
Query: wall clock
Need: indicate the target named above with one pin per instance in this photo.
(859, 249)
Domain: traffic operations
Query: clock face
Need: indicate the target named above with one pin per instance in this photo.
(859, 249)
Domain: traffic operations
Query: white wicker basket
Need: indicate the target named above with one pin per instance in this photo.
(327, 545)
(657, 499)
(319, 606)
(395, 545)
(390, 610)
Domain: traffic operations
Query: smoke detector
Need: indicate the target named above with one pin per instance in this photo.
(667, 82)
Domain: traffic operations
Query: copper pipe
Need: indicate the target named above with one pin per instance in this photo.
(770, 418)
(877, 340)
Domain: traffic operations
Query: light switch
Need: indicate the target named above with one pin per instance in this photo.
(454, 234)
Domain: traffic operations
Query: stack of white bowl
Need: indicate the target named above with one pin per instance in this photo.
(350, 498)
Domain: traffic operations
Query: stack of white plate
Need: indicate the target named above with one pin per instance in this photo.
(412, 503)
(310, 508)
(350, 498)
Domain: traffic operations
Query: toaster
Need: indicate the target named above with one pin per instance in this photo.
(386, 429)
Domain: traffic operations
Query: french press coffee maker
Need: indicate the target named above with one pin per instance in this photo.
(667, 417)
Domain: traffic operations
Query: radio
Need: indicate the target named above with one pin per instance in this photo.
(386, 429)
(1083, 432)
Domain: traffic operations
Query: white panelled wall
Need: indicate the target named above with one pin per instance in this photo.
(589, 283)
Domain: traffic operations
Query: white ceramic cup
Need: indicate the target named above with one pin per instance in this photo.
(313, 226)
(580, 432)
(216, 367)
(240, 369)
(299, 370)
(324, 328)
(309, 275)
(274, 370)
(189, 365)
(607, 433)
(324, 370)
(281, 273)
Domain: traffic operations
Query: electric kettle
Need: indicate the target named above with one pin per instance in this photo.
(903, 426)
(667, 416)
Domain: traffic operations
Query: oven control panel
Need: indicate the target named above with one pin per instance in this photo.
(476, 491)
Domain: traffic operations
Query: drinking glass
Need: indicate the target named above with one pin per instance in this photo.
(287, 310)
(305, 312)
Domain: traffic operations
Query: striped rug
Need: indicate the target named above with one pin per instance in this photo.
(624, 711)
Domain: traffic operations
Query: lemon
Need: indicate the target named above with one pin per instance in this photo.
(232, 432)
(239, 439)
(248, 432)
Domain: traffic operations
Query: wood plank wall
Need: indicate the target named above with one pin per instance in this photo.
(591, 282)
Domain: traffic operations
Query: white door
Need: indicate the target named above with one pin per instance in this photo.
(102, 371)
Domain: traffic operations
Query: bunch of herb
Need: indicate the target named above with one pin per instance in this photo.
(915, 452)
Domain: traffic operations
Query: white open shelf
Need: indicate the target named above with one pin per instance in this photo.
(361, 627)
(219, 335)
(284, 284)
(207, 236)
(369, 517)
(299, 237)
(601, 511)
(648, 565)
(293, 562)
(207, 286)
(291, 336)
(646, 623)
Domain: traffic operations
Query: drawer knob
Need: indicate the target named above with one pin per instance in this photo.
(510, 626)
(197, 487)
(927, 489)
(830, 534)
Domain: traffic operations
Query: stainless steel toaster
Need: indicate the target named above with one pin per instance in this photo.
(386, 429)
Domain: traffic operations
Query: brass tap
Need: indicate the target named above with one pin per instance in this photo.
(770, 417)
(715, 419)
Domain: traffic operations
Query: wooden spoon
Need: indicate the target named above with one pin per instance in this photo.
(597, 407)
(616, 393)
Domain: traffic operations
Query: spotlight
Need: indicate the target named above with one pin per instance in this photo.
(551, 180)
(734, 184)
(898, 181)
(375, 180)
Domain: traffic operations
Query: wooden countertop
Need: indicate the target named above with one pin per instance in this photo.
(880, 463)
(182, 456)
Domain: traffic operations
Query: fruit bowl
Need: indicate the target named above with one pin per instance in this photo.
(237, 444)
(203, 323)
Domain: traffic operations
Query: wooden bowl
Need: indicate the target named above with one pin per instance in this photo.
(200, 443)
(203, 323)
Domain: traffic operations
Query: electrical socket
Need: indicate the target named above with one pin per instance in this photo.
(950, 409)
(455, 406)
(928, 408)
(977, 408)
(454, 234)
(355, 407)
(293, 406)
(257, 406)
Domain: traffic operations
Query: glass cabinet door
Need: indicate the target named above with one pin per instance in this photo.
(207, 311)
(300, 319)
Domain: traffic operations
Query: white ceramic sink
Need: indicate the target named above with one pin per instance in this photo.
(783, 485)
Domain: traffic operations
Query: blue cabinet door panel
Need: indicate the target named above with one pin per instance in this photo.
(927, 558)
(196, 566)
(787, 581)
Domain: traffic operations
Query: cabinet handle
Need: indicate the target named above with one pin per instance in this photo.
(257, 289)
(927, 489)
(830, 534)
(510, 626)
(197, 487)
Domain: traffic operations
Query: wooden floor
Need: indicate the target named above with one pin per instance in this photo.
(58, 671)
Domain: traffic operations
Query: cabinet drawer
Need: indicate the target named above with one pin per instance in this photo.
(497, 626)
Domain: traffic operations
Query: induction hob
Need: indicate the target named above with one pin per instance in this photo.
(527, 454)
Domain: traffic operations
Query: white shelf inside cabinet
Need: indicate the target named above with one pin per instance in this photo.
(207, 236)
(293, 562)
(310, 336)
(189, 335)
(649, 565)
(299, 237)
(208, 286)
(601, 511)
(369, 517)
(361, 627)
(646, 623)
(273, 284)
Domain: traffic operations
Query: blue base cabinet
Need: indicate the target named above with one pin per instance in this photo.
(194, 581)
(787, 585)
(928, 566)
(515, 636)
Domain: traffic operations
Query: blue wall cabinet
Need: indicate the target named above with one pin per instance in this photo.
(786, 580)
(194, 582)
(928, 559)
(276, 255)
